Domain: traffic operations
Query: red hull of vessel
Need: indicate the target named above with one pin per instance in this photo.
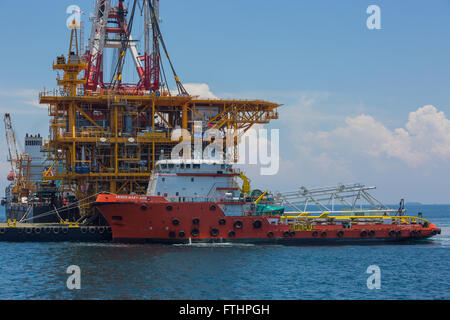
(154, 219)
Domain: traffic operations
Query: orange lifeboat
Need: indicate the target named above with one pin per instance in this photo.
(11, 176)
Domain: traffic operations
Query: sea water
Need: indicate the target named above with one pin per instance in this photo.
(225, 271)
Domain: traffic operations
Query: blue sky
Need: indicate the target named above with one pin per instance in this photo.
(354, 99)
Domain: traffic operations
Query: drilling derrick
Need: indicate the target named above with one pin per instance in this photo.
(106, 133)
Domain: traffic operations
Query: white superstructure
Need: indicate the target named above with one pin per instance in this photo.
(194, 179)
(33, 146)
(199, 181)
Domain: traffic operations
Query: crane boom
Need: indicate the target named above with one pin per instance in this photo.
(11, 140)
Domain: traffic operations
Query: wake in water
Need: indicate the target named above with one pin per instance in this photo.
(214, 245)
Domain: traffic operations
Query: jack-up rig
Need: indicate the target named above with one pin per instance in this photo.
(105, 134)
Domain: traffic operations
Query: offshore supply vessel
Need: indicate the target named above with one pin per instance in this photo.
(199, 201)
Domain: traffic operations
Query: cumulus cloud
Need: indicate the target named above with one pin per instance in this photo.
(199, 89)
(425, 138)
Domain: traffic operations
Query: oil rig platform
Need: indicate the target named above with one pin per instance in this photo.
(105, 134)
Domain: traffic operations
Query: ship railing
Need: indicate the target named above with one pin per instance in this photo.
(359, 218)
(217, 200)
(351, 196)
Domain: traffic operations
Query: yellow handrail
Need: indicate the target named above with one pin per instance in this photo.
(324, 215)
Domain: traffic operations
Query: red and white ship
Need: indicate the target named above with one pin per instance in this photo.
(192, 201)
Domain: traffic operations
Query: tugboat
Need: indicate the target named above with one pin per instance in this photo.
(191, 201)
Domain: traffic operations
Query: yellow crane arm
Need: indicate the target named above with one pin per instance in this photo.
(46, 173)
(262, 196)
(246, 185)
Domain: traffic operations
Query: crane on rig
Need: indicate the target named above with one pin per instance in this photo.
(13, 149)
(110, 29)
(20, 162)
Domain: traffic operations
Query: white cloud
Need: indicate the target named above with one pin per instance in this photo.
(199, 89)
(15, 99)
(425, 138)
